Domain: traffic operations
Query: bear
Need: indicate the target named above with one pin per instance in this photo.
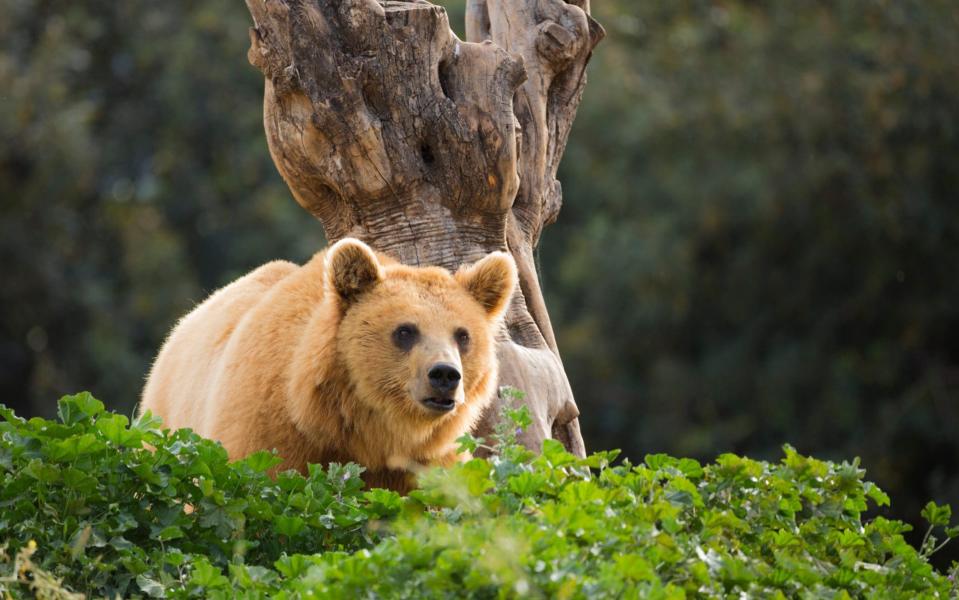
(351, 357)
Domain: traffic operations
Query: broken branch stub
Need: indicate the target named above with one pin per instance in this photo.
(388, 128)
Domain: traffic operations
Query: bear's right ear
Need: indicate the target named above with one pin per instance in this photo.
(491, 282)
(351, 269)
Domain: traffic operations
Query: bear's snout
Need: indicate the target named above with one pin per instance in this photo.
(444, 378)
(444, 381)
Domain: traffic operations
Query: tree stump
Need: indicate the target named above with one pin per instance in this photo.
(436, 151)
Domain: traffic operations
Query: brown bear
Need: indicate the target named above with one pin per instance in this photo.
(350, 357)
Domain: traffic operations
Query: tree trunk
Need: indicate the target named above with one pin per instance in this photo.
(390, 129)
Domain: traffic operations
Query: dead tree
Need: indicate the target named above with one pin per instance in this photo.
(436, 151)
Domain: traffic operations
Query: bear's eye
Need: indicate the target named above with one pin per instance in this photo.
(462, 338)
(405, 336)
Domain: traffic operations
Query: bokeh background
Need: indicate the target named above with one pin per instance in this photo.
(759, 243)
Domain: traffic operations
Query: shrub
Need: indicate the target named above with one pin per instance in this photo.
(84, 506)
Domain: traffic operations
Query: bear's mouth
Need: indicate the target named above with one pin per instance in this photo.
(439, 404)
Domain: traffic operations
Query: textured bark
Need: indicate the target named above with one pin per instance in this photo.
(388, 128)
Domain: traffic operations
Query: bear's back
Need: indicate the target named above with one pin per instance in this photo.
(182, 377)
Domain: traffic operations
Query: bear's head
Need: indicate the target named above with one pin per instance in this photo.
(419, 343)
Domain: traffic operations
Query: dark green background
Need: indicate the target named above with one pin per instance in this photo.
(759, 242)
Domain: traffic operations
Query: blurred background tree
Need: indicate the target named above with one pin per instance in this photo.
(135, 179)
(759, 243)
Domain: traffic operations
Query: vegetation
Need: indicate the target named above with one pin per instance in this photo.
(85, 507)
(757, 243)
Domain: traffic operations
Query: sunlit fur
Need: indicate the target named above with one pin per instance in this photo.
(301, 359)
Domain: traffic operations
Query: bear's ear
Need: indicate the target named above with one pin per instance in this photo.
(351, 269)
(491, 281)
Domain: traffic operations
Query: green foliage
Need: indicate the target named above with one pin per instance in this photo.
(95, 511)
(112, 516)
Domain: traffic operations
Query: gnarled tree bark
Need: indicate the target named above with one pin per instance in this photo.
(436, 151)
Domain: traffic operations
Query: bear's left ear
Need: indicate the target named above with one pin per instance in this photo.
(491, 281)
(351, 269)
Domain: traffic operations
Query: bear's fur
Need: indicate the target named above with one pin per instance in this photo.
(330, 361)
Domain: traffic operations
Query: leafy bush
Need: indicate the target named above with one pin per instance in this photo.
(84, 506)
(110, 516)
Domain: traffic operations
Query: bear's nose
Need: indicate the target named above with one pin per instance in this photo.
(444, 377)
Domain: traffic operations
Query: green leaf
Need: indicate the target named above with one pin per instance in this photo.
(527, 484)
(601, 460)
(73, 447)
(120, 543)
(79, 481)
(150, 587)
(207, 576)
(659, 461)
(937, 515)
(8, 415)
(849, 539)
(556, 454)
(252, 576)
(634, 567)
(297, 564)
(511, 393)
(169, 533)
(288, 525)
(261, 462)
(77, 408)
(383, 502)
(468, 443)
(682, 491)
(520, 416)
(148, 422)
(876, 494)
(41, 471)
(115, 428)
(690, 468)
(148, 472)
